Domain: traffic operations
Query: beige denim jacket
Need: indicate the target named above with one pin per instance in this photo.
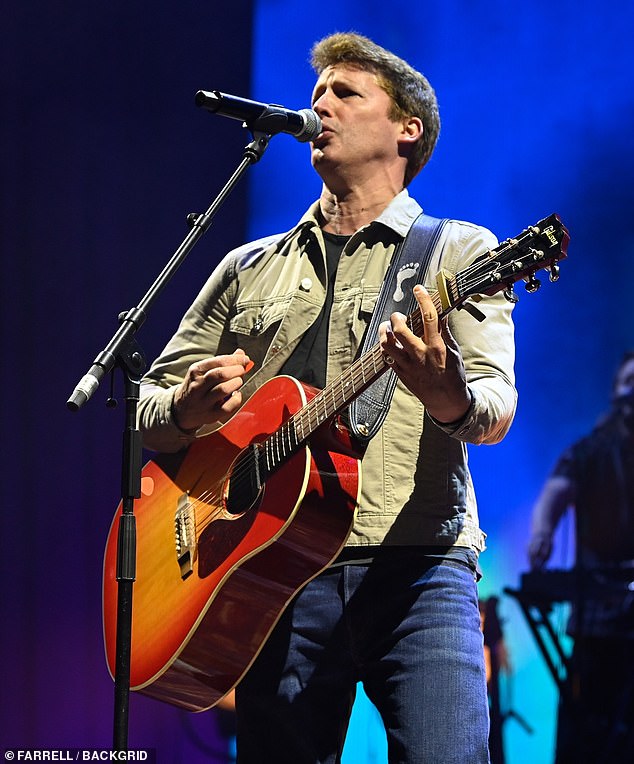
(416, 484)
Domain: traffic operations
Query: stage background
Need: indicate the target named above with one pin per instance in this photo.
(104, 154)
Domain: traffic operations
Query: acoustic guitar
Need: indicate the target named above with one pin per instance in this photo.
(230, 529)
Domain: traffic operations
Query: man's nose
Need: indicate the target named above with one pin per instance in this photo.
(322, 105)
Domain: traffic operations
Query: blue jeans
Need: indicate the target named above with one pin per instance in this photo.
(408, 628)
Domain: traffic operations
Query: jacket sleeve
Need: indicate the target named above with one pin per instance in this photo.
(202, 333)
(488, 347)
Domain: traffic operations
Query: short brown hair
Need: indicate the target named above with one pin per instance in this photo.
(410, 91)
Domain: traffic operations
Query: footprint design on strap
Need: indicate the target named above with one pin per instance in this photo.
(404, 273)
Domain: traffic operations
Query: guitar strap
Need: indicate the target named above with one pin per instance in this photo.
(411, 258)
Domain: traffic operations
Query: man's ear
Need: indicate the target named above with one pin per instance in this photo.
(412, 129)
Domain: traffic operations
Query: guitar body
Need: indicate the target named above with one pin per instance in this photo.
(212, 583)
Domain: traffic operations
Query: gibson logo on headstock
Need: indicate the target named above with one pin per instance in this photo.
(550, 234)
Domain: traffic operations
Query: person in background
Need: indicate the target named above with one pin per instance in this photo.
(595, 477)
(397, 609)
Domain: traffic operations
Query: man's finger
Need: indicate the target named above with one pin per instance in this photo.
(201, 369)
(428, 312)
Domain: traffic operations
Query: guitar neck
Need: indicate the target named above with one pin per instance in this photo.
(540, 246)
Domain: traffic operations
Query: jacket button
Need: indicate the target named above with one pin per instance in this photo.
(306, 284)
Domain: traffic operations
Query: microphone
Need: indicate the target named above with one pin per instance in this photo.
(269, 118)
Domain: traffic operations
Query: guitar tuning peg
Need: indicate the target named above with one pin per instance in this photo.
(532, 284)
(553, 272)
(510, 295)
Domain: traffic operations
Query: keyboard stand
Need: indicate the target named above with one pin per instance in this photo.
(536, 613)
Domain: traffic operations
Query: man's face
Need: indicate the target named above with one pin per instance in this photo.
(358, 139)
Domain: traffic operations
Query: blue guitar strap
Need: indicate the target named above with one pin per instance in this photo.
(368, 411)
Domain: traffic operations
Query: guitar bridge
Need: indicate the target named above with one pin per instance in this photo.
(185, 536)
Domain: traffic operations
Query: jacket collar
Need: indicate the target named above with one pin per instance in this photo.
(398, 215)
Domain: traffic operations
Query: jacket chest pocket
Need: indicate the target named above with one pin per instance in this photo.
(366, 302)
(255, 324)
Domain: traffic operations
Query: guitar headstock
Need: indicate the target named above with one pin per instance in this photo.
(539, 247)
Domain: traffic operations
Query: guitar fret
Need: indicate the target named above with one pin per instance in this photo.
(314, 422)
(312, 418)
(283, 442)
(333, 401)
(324, 406)
(298, 427)
(284, 436)
(319, 400)
(290, 434)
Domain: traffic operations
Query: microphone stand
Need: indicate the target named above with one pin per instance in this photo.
(123, 352)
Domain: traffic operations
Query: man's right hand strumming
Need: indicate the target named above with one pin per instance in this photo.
(210, 391)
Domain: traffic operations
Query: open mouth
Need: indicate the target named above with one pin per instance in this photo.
(323, 137)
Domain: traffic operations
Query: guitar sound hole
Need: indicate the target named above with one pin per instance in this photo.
(245, 482)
